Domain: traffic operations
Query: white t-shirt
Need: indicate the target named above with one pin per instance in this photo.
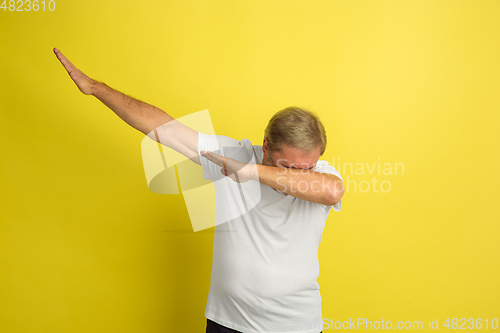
(265, 262)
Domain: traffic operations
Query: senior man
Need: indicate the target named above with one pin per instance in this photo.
(265, 266)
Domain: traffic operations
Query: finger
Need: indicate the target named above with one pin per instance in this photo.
(212, 157)
(64, 61)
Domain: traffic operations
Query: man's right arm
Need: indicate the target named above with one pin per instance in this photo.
(146, 118)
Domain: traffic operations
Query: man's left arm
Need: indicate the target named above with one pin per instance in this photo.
(323, 188)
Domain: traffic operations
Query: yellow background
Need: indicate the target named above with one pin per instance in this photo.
(86, 247)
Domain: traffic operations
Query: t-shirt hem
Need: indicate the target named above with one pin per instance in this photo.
(237, 327)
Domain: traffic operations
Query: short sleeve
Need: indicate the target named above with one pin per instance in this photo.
(324, 167)
(230, 147)
(232, 199)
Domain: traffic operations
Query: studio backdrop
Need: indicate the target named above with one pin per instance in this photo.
(408, 92)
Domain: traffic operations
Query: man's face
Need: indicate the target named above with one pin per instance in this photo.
(290, 157)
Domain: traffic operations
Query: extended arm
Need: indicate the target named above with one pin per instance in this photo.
(146, 118)
(323, 188)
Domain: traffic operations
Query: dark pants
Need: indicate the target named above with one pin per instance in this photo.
(213, 327)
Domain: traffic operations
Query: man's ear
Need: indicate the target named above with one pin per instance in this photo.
(265, 149)
(264, 144)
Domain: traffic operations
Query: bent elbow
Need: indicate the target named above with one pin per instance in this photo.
(336, 193)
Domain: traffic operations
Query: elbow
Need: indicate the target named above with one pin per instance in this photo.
(335, 192)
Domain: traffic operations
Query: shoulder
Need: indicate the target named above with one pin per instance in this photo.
(223, 141)
(241, 150)
(324, 167)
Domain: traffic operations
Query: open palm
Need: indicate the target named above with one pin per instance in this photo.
(238, 171)
(82, 81)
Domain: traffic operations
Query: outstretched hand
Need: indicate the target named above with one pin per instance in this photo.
(238, 171)
(82, 81)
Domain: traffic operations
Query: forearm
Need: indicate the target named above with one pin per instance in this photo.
(140, 115)
(307, 185)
